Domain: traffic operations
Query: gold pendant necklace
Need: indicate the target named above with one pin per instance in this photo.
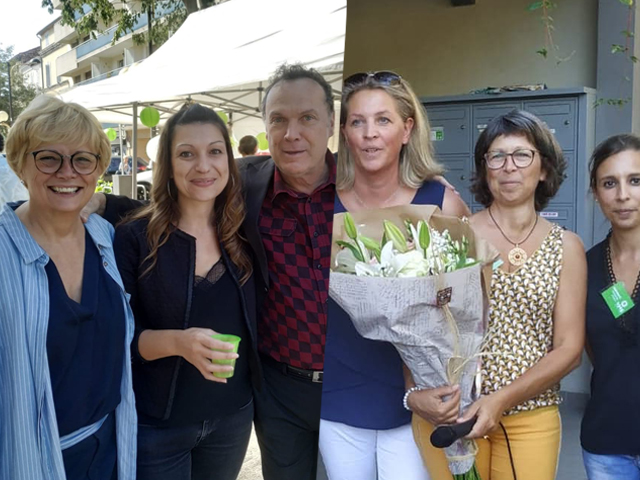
(517, 256)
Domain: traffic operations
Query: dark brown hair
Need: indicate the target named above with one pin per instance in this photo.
(608, 148)
(163, 212)
(520, 123)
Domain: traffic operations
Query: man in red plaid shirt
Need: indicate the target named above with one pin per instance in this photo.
(290, 198)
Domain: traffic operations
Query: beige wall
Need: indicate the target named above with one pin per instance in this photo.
(445, 50)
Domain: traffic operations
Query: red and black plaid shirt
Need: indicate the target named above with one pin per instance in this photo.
(296, 232)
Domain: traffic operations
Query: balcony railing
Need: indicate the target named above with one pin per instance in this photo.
(66, 62)
(107, 36)
(97, 78)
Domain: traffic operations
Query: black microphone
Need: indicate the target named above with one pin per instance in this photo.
(445, 435)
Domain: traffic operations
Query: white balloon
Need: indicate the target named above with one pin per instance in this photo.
(4, 116)
(152, 148)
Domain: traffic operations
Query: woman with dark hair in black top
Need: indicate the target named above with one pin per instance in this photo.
(184, 263)
(609, 437)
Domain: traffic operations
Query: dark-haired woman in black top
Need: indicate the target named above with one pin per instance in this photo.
(609, 437)
(184, 263)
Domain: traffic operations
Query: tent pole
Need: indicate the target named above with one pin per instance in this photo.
(134, 160)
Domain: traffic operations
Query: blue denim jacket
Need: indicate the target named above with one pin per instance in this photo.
(29, 438)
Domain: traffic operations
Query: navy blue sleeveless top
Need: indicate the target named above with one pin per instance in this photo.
(612, 418)
(363, 382)
(85, 349)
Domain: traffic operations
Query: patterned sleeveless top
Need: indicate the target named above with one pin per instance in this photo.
(521, 321)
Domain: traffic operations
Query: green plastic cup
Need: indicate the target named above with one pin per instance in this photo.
(235, 341)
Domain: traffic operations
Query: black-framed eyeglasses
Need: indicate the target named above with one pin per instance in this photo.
(522, 158)
(383, 77)
(50, 161)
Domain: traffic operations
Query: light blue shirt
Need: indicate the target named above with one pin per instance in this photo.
(29, 438)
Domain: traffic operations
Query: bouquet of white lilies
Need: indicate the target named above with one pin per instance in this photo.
(425, 252)
(423, 291)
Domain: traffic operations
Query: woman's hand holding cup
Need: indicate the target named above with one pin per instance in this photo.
(200, 349)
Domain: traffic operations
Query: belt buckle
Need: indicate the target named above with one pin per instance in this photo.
(316, 377)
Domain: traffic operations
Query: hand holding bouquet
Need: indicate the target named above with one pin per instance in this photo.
(422, 291)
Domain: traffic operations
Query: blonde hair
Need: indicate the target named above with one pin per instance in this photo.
(417, 163)
(49, 120)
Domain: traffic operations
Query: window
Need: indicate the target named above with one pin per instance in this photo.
(120, 63)
(47, 71)
(87, 75)
(77, 79)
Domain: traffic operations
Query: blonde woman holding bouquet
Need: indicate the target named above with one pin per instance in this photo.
(537, 316)
(385, 160)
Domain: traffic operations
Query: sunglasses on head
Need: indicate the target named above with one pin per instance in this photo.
(383, 77)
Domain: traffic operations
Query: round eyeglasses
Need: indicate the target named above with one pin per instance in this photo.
(50, 161)
(383, 77)
(522, 158)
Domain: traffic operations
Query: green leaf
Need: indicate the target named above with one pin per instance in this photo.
(424, 234)
(396, 236)
(633, 58)
(354, 250)
(350, 226)
(615, 48)
(535, 6)
(628, 3)
(543, 51)
(627, 33)
(371, 245)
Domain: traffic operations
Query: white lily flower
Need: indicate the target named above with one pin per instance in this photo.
(367, 270)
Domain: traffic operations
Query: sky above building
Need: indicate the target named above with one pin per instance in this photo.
(20, 21)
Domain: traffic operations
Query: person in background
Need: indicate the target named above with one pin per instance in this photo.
(11, 188)
(66, 399)
(385, 159)
(248, 146)
(189, 274)
(610, 444)
(537, 305)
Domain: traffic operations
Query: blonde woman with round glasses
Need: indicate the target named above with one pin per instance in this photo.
(66, 402)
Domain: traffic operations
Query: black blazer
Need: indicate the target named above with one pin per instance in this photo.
(164, 295)
(257, 175)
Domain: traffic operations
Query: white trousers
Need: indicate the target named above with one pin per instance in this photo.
(351, 453)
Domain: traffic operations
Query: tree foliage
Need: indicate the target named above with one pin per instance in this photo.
(95, 16)
(21, 93)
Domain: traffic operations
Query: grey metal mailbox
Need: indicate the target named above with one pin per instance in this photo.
(457, 122)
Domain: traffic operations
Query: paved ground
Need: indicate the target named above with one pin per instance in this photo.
(251, 469)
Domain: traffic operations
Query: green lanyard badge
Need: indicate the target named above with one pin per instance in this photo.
(618, 300)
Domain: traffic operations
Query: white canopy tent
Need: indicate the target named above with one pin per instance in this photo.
(217, 59)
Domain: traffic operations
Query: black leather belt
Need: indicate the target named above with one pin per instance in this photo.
(314, 376)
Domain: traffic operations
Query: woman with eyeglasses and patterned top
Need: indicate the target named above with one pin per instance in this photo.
(537, 305)
(385, 159)
(610, 444)
(66, 400)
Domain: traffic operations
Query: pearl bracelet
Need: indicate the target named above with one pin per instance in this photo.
(406, 396)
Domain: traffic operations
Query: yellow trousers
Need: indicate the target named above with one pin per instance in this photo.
(534, 437)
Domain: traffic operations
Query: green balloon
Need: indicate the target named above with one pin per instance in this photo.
(150, 117)
(263, 143)
(111, 134)
(223, 116)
